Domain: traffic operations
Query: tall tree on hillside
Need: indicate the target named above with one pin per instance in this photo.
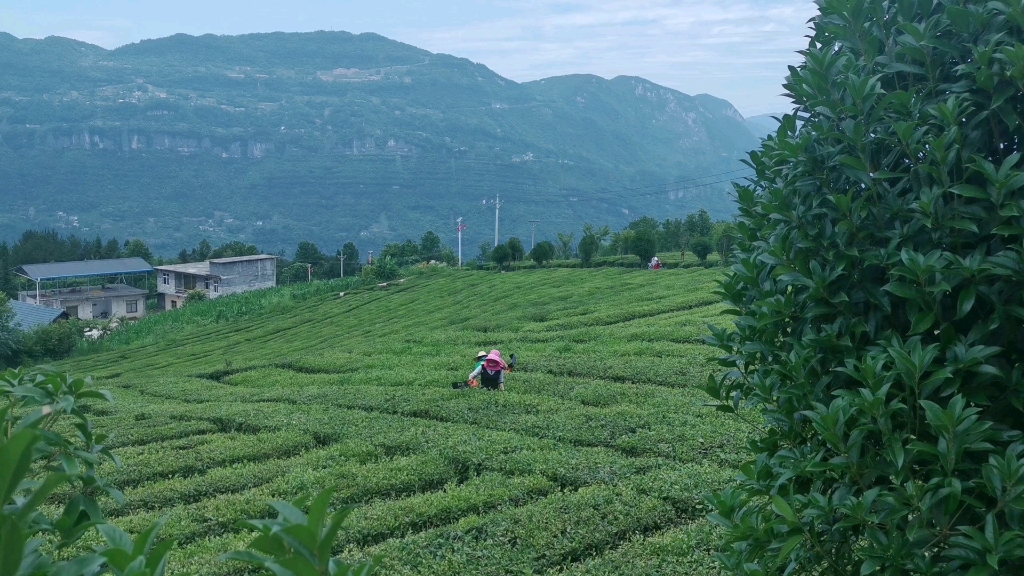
(351, 254)
(644, 223)
(501, 256)
(10, 335)
(309, 253)
(699, 224)
(95, 249)
(701, 248)
(485, 253)
(723, 238)
(542, 252)
(515, 245)
(137, 249)
(7, 283)
(644, 243)
(672, 234)
(234, 249)
(588, 247)
(430, 246)
(877, 290)
(112, 249)
(566, 249)
(202, 251)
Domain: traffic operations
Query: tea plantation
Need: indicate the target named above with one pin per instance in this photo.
(592, 462)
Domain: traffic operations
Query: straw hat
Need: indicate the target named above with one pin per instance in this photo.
(481, 354)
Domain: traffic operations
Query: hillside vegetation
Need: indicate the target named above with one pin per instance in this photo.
(593, 462)
(331, 137)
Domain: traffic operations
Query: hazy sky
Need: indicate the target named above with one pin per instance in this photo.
(734, 49)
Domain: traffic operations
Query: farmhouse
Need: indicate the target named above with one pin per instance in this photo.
(90, 289)
(214, 277)
(28, 316)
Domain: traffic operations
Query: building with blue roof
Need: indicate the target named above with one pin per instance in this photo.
(90, 289)
(28, 316)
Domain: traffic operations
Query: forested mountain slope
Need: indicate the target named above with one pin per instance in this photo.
(329, 136)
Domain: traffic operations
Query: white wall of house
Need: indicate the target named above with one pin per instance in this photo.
(165, 276)
(120, 306)
(78, 309)
(246, 275)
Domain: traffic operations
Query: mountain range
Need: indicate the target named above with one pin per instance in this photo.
(331, 137)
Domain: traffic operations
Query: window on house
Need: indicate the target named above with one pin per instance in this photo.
(206, 283)
(216, 285)
(190, 282)
(174, 304)
(165, 277)
(131, 306)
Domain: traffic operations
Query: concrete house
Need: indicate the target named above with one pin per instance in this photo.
(90, 289)
(214, 277)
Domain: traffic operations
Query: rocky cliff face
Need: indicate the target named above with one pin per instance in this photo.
(320, 135)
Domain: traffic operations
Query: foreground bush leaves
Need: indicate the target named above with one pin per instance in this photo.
(297, 544)
(877, 293)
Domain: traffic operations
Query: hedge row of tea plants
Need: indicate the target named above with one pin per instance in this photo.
(601, 440)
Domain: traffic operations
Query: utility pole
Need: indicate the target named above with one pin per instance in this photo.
(342, 257)
(460, 227)
(498, 205)
(533, 233)
(309, 272)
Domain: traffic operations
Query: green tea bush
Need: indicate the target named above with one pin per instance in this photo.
(552, 532)
(878, 293)
(270, 398)
(51, 341)
(50, 454)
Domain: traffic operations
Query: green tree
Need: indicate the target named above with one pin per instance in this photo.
(501, 256)
(10, 335)
(672, 234)
(877, 287)
(723, 238)
(516, 247)
(698, 224)
(52, 341)
(234, 249)
(644, 223)
(7, 283)
(542, 252)
(384, 269)
(566, 247)
(701, 248)
(309, 253)
(202, 251)
(112, 249)
(351, 254)
(430, 246)
(485, 253)
(137, 249)
(588, 248)
(194, 296)
(644, 244)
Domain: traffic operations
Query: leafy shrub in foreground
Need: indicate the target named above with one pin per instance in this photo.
(878, 290)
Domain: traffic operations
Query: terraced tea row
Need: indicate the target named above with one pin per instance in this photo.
(594, 459)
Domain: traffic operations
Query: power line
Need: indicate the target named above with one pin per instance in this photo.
(591, 197)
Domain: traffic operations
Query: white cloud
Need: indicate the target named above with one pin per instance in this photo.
(735, 49)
